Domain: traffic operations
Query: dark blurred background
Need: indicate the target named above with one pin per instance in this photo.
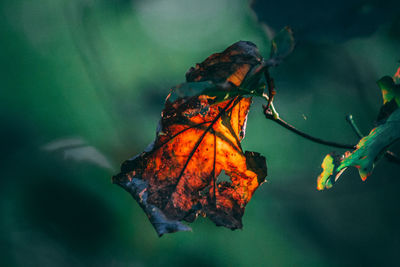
(82, 86)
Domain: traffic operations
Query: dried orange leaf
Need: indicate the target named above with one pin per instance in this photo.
(199, 135)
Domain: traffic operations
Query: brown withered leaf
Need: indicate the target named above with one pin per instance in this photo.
(198, 138)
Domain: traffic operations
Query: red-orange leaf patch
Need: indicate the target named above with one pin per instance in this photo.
(198, 138)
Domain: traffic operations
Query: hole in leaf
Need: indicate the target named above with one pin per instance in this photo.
(223, 177)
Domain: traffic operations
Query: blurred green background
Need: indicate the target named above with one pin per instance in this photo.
(82, 86)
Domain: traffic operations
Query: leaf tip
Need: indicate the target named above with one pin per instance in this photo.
(364, 174)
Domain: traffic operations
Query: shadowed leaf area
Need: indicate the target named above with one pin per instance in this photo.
(198, 137)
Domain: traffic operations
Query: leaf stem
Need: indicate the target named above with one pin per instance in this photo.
(271, 87)
(269, 115)
(271, 90)
(392, 157)
(274, 113)
(350, 120)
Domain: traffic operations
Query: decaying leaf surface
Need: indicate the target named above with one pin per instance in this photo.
(199, 135)
(370, 148)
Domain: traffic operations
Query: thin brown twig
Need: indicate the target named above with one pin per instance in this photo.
(270, 115)
(271, 87)
(286, 125)
(350, 120)
(390, 156)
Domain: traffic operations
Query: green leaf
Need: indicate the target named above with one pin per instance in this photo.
(283, 44)
(368, 151)
(390, 90)
(396, 77)
(324, 179)
(371, 148)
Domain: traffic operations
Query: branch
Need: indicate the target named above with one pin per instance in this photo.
(268, 114)
(271, 87)
(271, 114)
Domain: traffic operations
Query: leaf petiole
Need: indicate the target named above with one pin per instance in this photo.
(274, 113)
